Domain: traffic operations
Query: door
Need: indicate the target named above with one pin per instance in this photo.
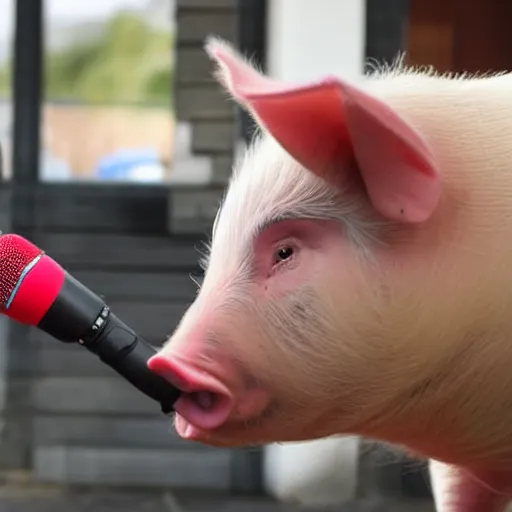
(453, 35)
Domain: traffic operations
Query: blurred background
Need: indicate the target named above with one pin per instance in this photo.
(117, 145)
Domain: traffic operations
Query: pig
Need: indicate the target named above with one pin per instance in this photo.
(358, 277)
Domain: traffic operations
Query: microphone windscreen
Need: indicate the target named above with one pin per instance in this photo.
(16, 254)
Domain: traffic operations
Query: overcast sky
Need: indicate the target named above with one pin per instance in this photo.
(69, 10)
(61, 10)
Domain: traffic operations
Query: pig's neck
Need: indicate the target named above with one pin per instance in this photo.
(456, 403)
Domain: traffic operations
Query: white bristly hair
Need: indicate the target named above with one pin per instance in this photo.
(268, 185)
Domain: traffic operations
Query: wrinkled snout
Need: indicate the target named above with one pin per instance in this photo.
(216, 389)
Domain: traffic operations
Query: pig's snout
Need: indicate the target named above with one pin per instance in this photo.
(205, 402)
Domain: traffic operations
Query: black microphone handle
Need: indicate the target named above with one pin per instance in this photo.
(79, 315)
(127, 353)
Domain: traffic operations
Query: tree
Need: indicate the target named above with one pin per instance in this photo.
(131, 62)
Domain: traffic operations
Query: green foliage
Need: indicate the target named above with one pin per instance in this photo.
(5, 80)
(130, 63)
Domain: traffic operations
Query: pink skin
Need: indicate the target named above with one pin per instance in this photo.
(340, 293)
(458, 490)
(231, 396)
(323, 126)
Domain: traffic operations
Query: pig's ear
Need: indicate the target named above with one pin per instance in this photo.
(325, 124)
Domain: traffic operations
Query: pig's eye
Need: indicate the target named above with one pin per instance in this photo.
(283, 254)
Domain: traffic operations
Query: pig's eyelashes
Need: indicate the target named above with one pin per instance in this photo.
(283, 254)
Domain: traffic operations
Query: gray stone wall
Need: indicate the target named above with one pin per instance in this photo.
(87, 425)
(201, 103)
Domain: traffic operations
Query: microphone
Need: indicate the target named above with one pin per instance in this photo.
(35, 290)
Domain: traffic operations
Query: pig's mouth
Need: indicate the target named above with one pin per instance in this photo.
(202, 409)
(205, 403)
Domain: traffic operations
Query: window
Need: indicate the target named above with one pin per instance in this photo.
(6, 59)
(107, 112)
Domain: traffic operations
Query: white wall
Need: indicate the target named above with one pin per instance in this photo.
(313, 474)
(310, 38)
(307, 39)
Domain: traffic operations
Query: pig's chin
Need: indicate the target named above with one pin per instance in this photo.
(229, 434)
(272, 425)
(187, 430)
(206, 419)
(236, 434)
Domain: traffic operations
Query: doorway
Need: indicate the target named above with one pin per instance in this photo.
(453, 36)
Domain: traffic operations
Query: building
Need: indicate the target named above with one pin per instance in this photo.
(110, 435)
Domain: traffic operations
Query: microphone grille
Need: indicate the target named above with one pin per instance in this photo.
(16, 253)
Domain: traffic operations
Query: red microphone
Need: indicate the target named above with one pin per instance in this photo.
(35, 290)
